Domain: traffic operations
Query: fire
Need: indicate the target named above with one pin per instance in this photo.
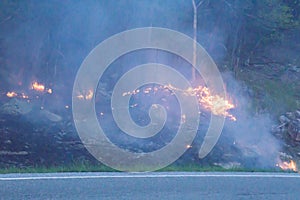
(131, 93)
(80, 96)
(24, 96)
(214, 103)
(34, 86)
(288, 165)
(11, 94)
(15, 94)
(38, 87)
(88, 96)
(41, 88)
(147, 90)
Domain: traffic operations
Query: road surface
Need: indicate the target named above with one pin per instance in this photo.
(167, 185)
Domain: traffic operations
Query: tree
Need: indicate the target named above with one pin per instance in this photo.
(257, 23)
(195, 21)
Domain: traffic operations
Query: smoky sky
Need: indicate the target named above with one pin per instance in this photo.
(48, 40)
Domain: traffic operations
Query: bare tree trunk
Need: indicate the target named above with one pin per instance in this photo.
(195, 7)
(235, 54)
(195, 41)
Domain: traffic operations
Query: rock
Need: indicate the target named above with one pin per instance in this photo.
(16, 107)
(297, 113)
(278, 129)
(284, 119)
(50, 116)
(295, 68)
(285, 156)
(290, 125)
(294, 130)
(291, 115)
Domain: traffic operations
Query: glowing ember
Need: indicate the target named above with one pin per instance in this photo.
(24, 96)
(38, 87)
(288, 165)
(131, 93)
(87, 96)
(11, 94)
(80, 96)
(133, 105)
(34, 86)
(183, 118)
(15, 94)
(147, 90)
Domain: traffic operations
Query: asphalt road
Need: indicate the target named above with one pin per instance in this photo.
(150, 186)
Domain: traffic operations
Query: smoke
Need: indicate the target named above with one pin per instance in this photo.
(251, 133)
(47, 42)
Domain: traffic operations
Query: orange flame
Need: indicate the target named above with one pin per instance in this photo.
(131, 93)
(288, 165)
(38, 87)
(15, 94)
(24, 96)
(214, 103)
(87, 96)
(11, 94)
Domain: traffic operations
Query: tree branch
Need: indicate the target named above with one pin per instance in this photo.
(6, 19)
(196, 6)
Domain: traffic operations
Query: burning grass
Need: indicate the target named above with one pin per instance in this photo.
(38, 87)
(86, 95)
(210, 102)
(287, 166)
(35, 86)
(11, 94)
(215, 104)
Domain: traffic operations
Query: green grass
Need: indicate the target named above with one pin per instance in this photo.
(82, 167)
(273, 95)
(280, 94)
(54, 169)
(198, 168)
